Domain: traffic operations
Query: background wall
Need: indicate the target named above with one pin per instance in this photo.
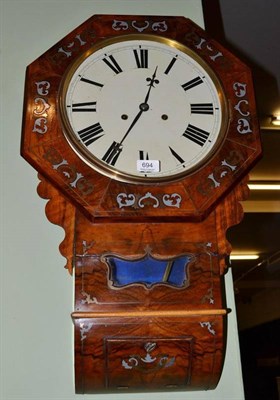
(37, 331)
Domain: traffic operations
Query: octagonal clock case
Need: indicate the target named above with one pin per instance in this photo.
(143, 130)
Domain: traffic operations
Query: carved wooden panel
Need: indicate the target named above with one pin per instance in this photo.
(148, 353)
(195, 261)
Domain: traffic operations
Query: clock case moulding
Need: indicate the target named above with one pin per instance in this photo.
(149, 334)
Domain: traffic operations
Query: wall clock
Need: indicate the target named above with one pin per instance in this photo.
(143, 130)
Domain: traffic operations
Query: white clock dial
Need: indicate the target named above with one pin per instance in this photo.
(143, 110)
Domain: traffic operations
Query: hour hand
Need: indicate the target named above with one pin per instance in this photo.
(112, 154)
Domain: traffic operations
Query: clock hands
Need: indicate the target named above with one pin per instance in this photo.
(113, 152)
(143, 106)
(152, 80)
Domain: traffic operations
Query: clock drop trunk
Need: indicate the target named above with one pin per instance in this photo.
(161, 328)
(149, 306)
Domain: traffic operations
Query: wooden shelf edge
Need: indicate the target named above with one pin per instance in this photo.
(131, 314)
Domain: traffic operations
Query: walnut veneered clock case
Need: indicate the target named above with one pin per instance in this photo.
(143, 129)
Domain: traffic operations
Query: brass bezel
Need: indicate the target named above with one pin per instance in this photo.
(108, 170)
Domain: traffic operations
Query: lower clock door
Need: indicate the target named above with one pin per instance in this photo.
(148, 353)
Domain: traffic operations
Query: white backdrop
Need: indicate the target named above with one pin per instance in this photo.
(37, 331)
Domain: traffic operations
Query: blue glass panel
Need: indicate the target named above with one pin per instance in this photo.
(148, 271)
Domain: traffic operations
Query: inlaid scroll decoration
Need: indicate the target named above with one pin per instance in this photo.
(41, 107)
(148, 363)
(87, 246)
(230, 164)
(208, 297)
(209, 327)
(155, 26)
(205, 46)
(88, 298)
(242, 108)
(85, 328)
(68, 171)
(135, 201)
(226, 168)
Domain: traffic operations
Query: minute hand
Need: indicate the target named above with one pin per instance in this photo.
(151, 84)
(143, 106)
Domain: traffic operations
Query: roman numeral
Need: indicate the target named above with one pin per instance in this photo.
(202, 108)
(112, 63)
(143, 155)
(91, 134)
(192, 83)
(176, 155)
(112, 154)
(197, 135)
(84, 107)
(141, 58)
(91, 82)
(172, 62)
